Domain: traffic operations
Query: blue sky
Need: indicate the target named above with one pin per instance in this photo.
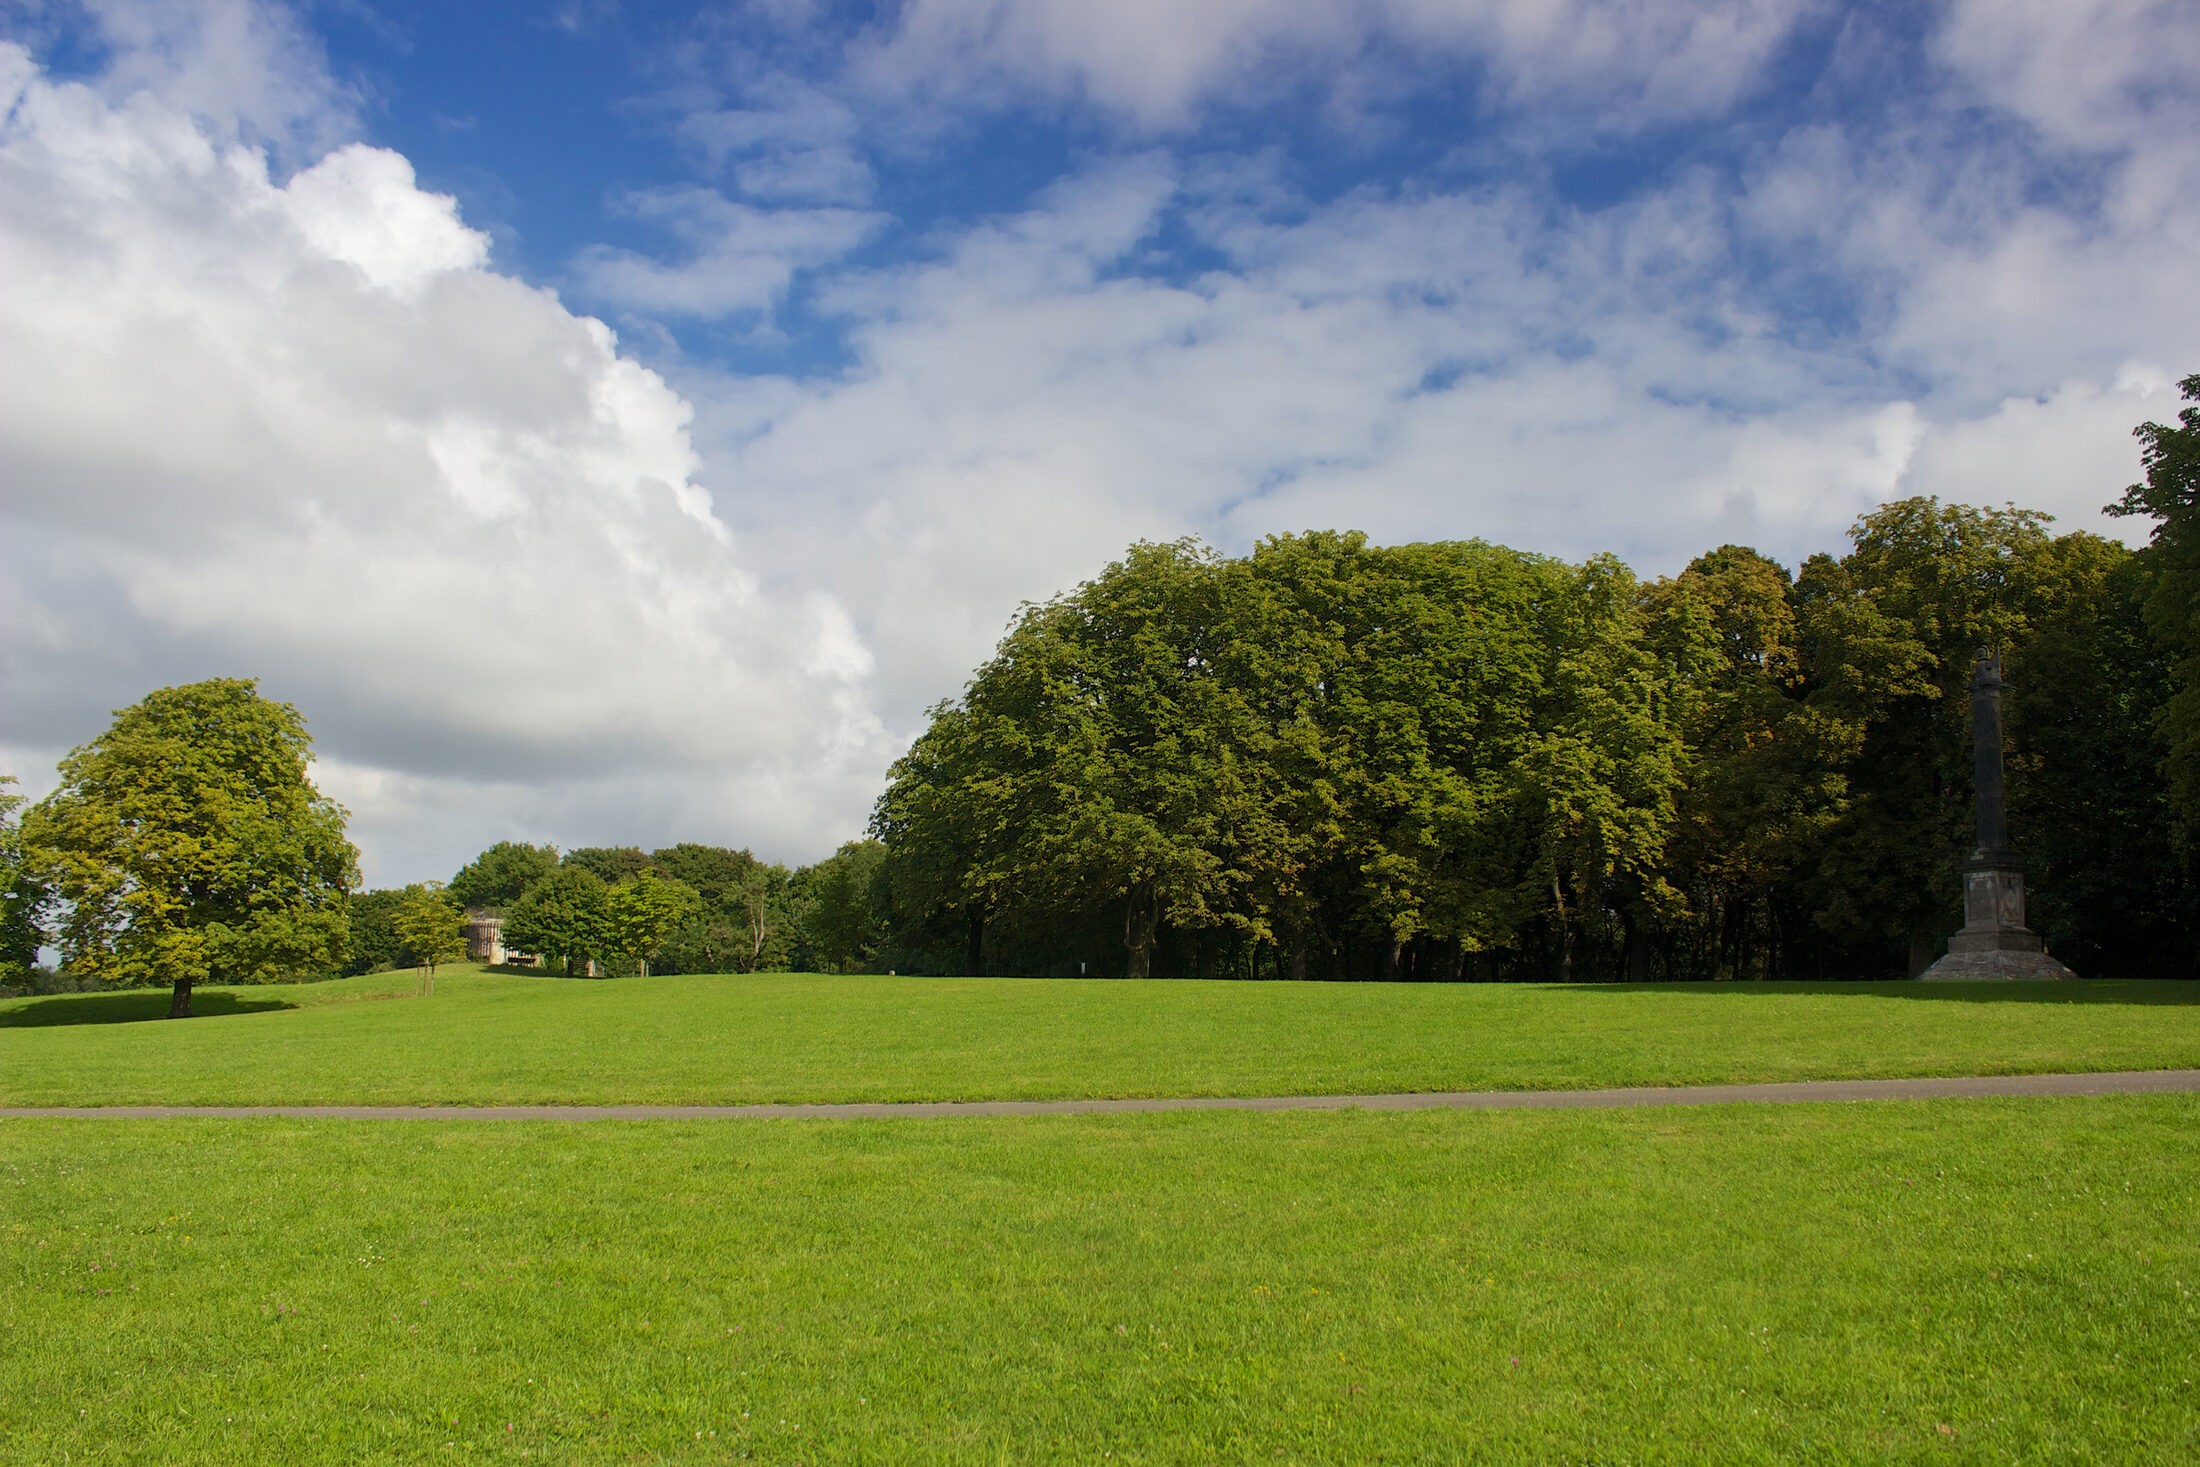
(618, 422)
(541, 119)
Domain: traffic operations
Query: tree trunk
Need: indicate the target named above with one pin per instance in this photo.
(976, 936)
(1139, 920)
(1455, 952)
(1565, 935)
(1393, 960)
(1635, 953)
(179, 1004)
(1298, 955)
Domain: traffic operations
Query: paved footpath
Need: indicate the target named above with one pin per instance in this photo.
(2123, 1082)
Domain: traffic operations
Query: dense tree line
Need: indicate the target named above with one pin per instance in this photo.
(1335, 759)
(187, 845)
(686, 908)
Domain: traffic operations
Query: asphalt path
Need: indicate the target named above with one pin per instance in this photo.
(2122, 1082)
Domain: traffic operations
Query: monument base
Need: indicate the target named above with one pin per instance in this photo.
(1995, 965)
(1994, 943)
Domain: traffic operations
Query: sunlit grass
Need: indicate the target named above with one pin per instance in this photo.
(495, 1037)
(1887, 1282)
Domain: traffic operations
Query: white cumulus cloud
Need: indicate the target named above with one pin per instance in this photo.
(302, 431)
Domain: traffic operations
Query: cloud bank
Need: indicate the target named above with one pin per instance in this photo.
(300, 432)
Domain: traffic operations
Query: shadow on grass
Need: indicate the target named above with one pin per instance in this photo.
(130, 1007)
(2155, 991)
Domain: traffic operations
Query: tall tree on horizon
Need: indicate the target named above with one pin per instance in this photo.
(22, 898)
(2170, 494)
(502, 874)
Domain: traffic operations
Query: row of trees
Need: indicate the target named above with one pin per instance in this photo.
(687, 908)
(187, 844)
(1329, 758)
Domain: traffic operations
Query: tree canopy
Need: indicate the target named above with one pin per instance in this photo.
(502, 874)
(431, 926)
(642, 912)
(187, 843)
(1329, 758)
(22, 899)
(2170, 494)
(564, 917)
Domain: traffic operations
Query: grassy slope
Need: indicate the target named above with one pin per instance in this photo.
(1895, 1282)
(506, 1038)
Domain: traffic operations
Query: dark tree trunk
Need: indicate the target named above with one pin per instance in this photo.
(1565, 935)
(1393, 960)
(1447, 971)
(179, 1004)
(1635, 953)
(1140, 918)
(1298, 956)
(976, 956)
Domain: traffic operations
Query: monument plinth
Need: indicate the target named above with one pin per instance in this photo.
(1994, 942)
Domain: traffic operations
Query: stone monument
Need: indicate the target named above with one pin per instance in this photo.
(1994, 942)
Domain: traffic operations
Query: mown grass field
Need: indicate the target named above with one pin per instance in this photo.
(1943, 1281)
(494, 1037)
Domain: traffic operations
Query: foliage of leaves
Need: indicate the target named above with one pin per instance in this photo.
(564, 918)
(2171, 495)
(22, 898)
(502, 874)
(376, 944)
(850, 908)
(187, 842)
(1333, 759)
(644, 910)
(611, 864)
(431, 925)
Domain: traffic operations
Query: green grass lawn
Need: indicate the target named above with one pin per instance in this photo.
(1985, 1281)
(495, 1037)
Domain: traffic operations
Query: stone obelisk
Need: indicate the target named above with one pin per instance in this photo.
(1994, 942)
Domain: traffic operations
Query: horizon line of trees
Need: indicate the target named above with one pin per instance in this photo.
(687, 908)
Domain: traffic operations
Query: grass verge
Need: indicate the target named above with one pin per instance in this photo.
(488, 1038)
(1989, 1280)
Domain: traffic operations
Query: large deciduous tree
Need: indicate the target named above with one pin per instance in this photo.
(1764, 773)
(644, 910)
(564, 917)
(502, 874)
(2171, 496)
(187, 843)
(849, 907)
(376, 944)
(22, 898)
(1366, 761)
